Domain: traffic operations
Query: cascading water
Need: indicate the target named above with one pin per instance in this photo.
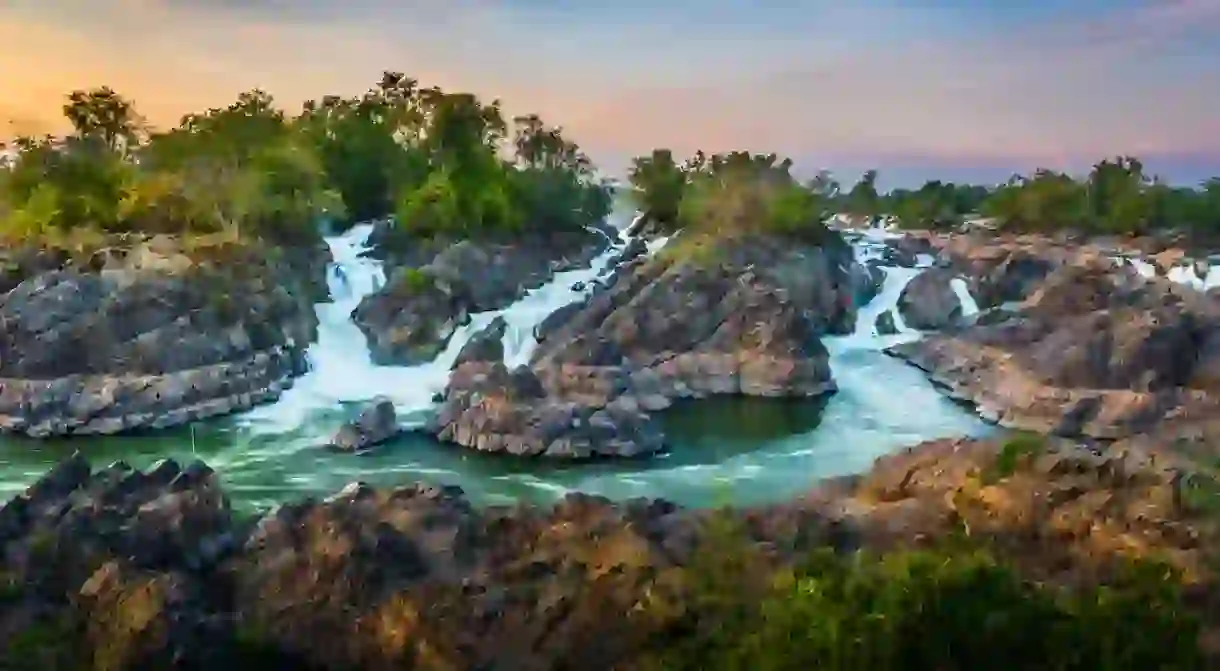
(341, 368)
(969, 306)
(1183, 273)
(751, 450)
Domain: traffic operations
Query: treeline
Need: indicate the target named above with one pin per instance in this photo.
(1117, 196)
(445, 164)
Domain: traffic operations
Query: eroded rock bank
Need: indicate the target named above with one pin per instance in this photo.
(743, 319)
(433, 288)
(1094, 351)
(155, 333)
(129, 569)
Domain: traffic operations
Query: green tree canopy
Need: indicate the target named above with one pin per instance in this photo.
(434, 160)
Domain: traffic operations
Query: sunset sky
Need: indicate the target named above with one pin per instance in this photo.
(959, 88)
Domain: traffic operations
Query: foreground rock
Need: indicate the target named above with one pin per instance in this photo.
(1092, 352)
(152, 337)
(1060, 510)
(749, 322)
(411, 320)
(152, 570)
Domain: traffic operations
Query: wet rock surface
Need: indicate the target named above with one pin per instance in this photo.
(485, 346)
(749, 323)
(152, 337)
(412, 318)
(376, 424)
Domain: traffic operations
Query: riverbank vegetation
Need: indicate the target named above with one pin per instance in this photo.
(444, 164)
(1118, 196)
(945, 608)
(733, 608)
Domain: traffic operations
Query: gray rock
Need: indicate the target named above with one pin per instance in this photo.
(928, 302)
(486, 346)
(376, 424)
(150, 341)
(885, 323)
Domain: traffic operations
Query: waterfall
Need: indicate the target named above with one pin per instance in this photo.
(969, 306)
(341, 368)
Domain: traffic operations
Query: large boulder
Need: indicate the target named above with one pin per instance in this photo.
(486, 346)
(1059, 510)
(492, 409)
(929, 303)
(153, 337)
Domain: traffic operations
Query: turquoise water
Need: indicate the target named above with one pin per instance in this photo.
(722, 450)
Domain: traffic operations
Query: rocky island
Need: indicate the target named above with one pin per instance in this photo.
(248, 260)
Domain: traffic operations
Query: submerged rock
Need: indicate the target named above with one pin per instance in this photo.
(886, 324)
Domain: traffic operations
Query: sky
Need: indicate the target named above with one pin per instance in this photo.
(956, 89)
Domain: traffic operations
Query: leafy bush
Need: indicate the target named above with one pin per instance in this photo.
(658, 184)
(1015, 451)
(930, 610)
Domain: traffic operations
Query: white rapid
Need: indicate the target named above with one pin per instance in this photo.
(748, 450)
(970, 307)
(341, 368)
(1184, 273)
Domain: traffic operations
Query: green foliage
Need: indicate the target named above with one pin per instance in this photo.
(58, 185)
(724, 196)
(748, 195)
(658, 183)
(936, 205)
(240, 169)
(414, 281)
(1047, 201)
(928, 610)
(48, 643)
(1013, 454)
(429, 157)
(864, 200)
(1117, 197)
(103, 115)
(1200, 491)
